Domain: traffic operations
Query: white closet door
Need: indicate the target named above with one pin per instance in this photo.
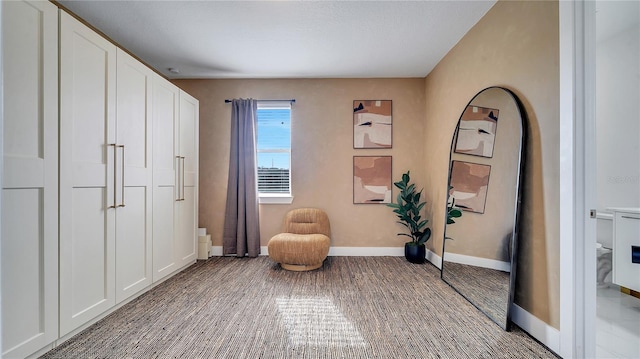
(165, 179)
(189, 118)
(133, 176)
(30, 183)
(87, 174)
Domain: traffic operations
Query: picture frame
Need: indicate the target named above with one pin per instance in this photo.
(372, 124)
(469, 185)
(372, 179)
(477, 131)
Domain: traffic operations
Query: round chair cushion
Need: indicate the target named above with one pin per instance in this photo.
(299, 252)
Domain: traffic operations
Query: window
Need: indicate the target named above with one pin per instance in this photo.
(274, 152)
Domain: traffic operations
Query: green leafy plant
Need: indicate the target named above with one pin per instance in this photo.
(452, 212)
(408, 208)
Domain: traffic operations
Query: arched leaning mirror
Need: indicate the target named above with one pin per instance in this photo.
(485, 171)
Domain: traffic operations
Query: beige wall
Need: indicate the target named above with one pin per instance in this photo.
(515, 45)
(322, 151)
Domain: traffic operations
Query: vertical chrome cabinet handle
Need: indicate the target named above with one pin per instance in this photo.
(122, 164)
(183, 160)
(177, 178)
(114, 175)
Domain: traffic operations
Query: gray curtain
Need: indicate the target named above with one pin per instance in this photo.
(241, 222)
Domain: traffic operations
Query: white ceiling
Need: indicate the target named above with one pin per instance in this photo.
(285, 39)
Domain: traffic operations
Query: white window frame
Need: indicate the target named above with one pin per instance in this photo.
(277, 198)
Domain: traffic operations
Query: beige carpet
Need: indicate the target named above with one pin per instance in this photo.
(352, 307)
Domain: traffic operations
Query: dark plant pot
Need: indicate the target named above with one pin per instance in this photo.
(415, 253)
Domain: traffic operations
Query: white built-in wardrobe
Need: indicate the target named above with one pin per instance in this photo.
(99, 197)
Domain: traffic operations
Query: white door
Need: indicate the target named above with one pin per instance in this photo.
(30, 183)
(133, 176)
(87, 174)
(186, 244)
(165, 164)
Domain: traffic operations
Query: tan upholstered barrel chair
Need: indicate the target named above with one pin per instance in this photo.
(304, 243)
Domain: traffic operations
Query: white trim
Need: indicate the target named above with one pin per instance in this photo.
(271, 104)
(1, 155)
(569, 339)
(543, 332)
(586, 156)
(577, 179)
(273, 198)
(435, 259)
(216, 251)
(478, 262)
(276, 198)
(366, 251)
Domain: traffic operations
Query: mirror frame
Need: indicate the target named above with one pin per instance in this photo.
(518, 199)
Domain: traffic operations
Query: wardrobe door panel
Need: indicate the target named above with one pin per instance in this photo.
(133, 243)
(87, 174)
(186, 242)
(89, 258)
(133, 177)
(189, 137)
(163, 232)
(187, 245)
(165, 177)
(29, 246)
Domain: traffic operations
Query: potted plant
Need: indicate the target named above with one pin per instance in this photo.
(407, 209)
(452, 212)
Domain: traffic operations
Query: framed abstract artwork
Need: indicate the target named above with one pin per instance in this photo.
(372, 179)
(477, 131)
(469, 184)
(372, 124)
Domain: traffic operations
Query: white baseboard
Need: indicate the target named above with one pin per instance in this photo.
(543, 332)
(216, 251)
(435, 259)
(339, 251)
(478, 262)
(366, 251)
(354, 252)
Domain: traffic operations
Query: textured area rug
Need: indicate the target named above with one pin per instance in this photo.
(352, 307)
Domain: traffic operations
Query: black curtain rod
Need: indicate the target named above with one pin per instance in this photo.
(293, 100)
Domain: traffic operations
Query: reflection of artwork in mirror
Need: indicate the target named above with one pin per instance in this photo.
(371, 179)
(477, 131)
(469, 184)
(372, 124)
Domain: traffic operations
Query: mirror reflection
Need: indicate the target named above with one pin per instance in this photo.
(484, 192)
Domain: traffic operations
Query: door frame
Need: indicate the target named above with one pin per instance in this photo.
(577, 179)
(1, 153)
